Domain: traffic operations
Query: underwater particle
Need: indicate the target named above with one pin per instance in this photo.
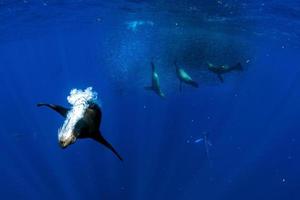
(133, 25)
(247, 61)
(208, 117)
(198, 140)
(283, 180)
(144, 106)
(193, 121)
(193, 8)
(155, 84)
(25, 1)
(99, 19)
(188, 141)
(283, 47)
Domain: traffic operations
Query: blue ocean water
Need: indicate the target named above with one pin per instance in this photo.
(233, 140)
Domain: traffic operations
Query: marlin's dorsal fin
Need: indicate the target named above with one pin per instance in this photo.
(61, 110)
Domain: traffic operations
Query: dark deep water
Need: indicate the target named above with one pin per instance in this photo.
(251, 120)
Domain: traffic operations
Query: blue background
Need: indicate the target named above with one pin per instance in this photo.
(252, 119)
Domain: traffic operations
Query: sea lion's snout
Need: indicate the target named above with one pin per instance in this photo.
(65, 142)
(62, 144)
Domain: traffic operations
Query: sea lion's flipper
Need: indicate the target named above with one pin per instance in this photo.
(194, 84)
(61, 110)
(220, 78)
(238, 67)
(98, 137)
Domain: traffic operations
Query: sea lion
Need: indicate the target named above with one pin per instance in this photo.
(86, 127)
(184, 77)
(219, 70)
(155, 86)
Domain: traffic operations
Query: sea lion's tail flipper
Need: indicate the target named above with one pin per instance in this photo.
(194, 84)
(220, 78)
(101, 140)
(61, 110)
(238, 67)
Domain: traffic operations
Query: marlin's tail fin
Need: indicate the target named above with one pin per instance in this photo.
(238, 67)
(102, 141)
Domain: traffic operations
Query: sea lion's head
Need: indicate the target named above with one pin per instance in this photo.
(73, 132)
(210, 66)
(64, 141)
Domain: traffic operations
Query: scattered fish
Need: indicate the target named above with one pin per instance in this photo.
(198, 140)
(134, 25)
